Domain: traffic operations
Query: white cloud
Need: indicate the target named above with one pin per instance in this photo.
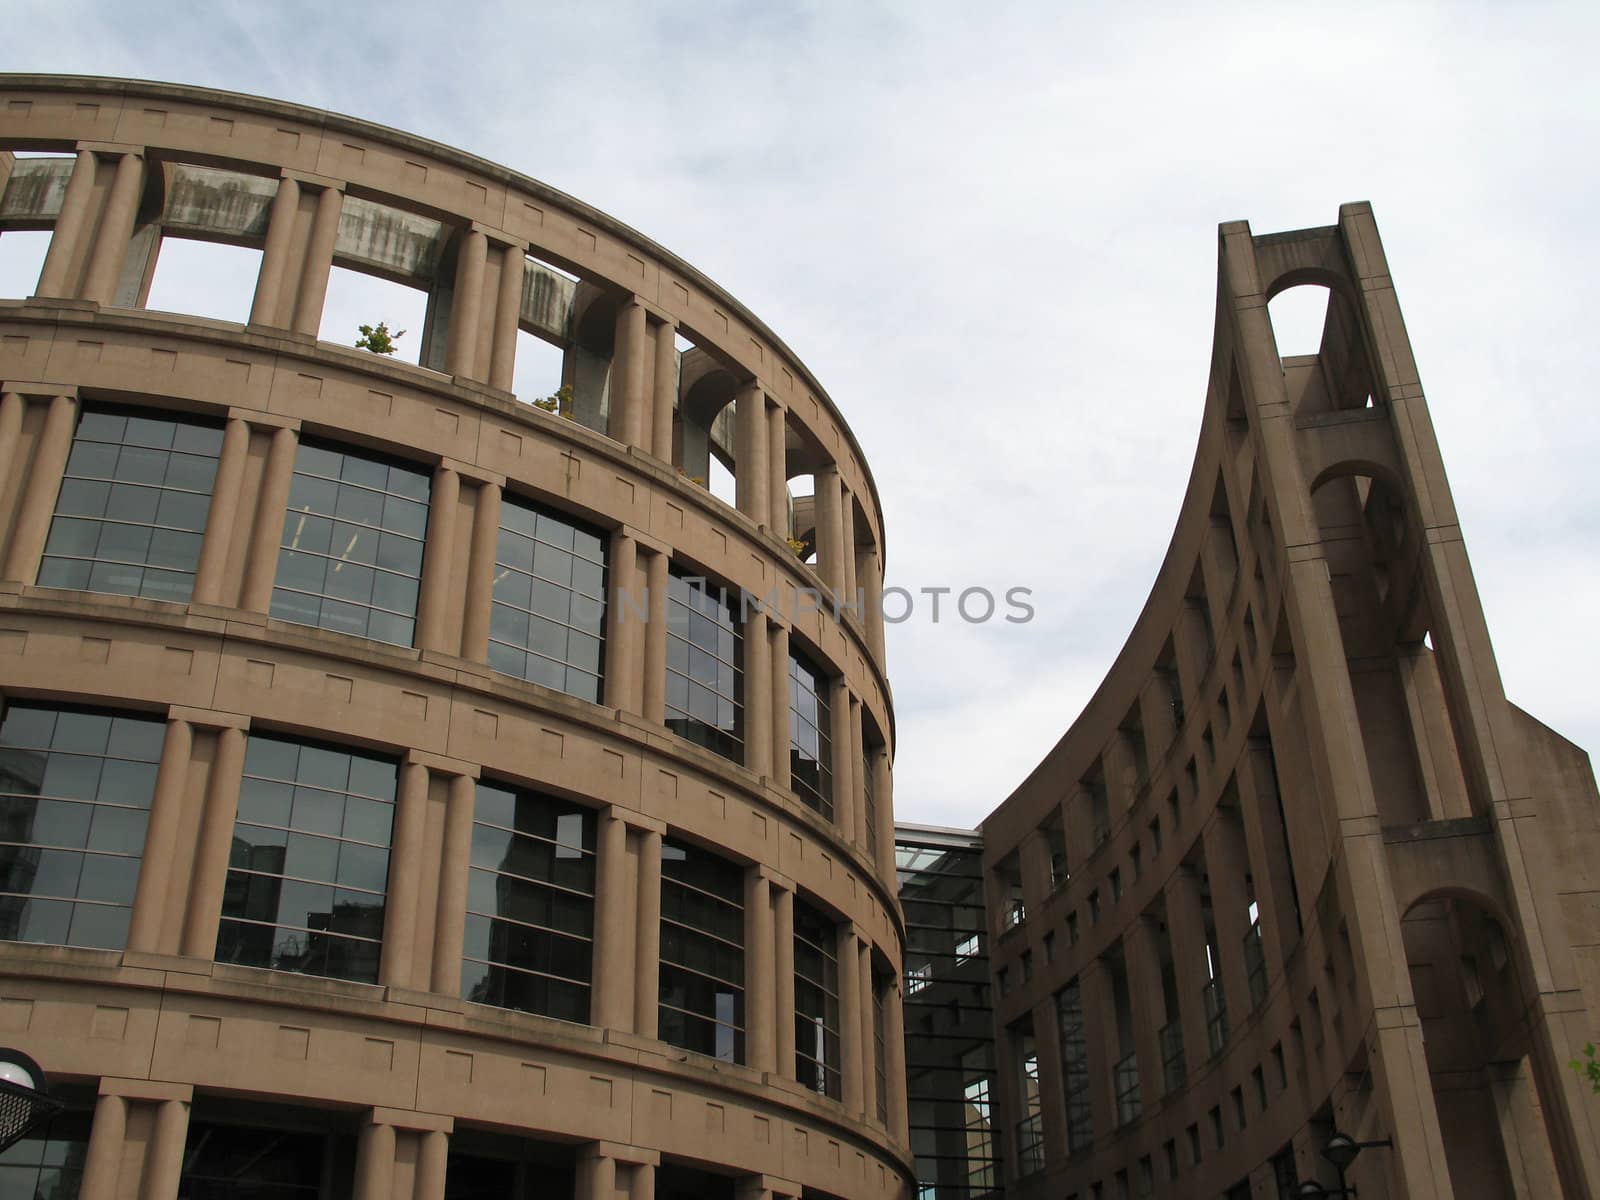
(990, 232)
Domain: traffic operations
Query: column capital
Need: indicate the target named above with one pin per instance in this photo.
(645, 541)
(207, 718)
(146, 1089)
(111, 148)
(326, 182)
(264, 420)
(636, 820)
(469, 472)
(754, 1186)
(40, 388)
(774, 877)
(405, 1118)
(442, 764)
(638, 1156)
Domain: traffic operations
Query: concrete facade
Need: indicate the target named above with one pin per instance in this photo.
(1300, 865)
(663, 370)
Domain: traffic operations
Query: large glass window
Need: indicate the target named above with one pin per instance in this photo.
(48, 1163)
(705, 667)
(810, 746)
(816, 1001)
(352, 544)
(132, 508)
(75, 793)
(530, 904)
(259, 1162)
(548, 618)
(309, 868)
(869, 790)
(1075, 1068)
(702, 952)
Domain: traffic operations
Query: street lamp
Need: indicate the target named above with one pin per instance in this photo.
(25, 1098)
(1340, 1149)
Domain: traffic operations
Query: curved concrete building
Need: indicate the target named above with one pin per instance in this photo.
(1300, 866)
(408, 791)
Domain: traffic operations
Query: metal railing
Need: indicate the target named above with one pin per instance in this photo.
(1125, 1081)
(1174, 1067)
(1216, 1006)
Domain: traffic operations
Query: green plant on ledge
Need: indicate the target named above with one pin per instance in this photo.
(798, 547)
(558, 402)
(378, 339)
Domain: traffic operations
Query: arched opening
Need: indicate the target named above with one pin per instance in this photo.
(1298, 315)
(706, 433)
(1472, 1008)
(544, 330)
(1326, 367)
(197, 246)
(22, 254)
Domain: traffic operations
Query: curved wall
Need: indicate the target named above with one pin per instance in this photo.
(1299, 827)
(236, 664)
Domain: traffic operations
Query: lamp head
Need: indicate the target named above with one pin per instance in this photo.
(1341, 1150)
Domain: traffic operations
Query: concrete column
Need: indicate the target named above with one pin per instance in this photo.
(449, 926)
(760, 1007)
(869, 1029)
(438, 561)
(850, 1027)
(318, 262)
(115, 229)
(160, 848)
(102, 1163)
(479, 596)
(752, 488)
(1149, 1006)
(1186, 931)
(1226, 866)
(1052, 1079)
(843, 764)
(272, 497)
(783, 972)
(628, 406)
(647, 938)
(1267, 851)
(613, 927)
(870, 576)
(375, 1162)
(830, 529)
(664, 392)
(624, 665)
(433, 1159)
(12, 406)
(268, 300)
(597, 1175)
(396, 965)
(858, 775)
(847, 542)
(883, 785)
(55, 277)
(224, 515)
(777, 466)
(37, 503)
(654, 707)
(642, 1182)
(759, 671)
(164, 1160)
(216, 843)
(507, 317)
(778, 705)
(466, 310)
(1100, 1037)
(894, 1051)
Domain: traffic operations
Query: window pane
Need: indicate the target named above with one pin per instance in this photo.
(702, 952)
(810, 736)
(705, 668)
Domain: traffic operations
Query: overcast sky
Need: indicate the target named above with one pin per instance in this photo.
(990, 230)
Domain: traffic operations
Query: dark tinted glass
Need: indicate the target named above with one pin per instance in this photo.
(705, 667)
(816, 1001)
(810, 736)
(702, 952)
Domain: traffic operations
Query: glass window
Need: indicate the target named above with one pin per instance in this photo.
(351, 557)
(309, 868)
(869, 789)
(1075, 1068)
(816, 1001)
(530, 904)
(547, 623)
(75, 793)
(810, 749)
(702, 952)
(233, 1162)
(705, 667)
(132, 509)
(48, 1163)
(880, 1069)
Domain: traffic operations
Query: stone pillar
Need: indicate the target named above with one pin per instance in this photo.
(752, 487)
(313, 289)
(628, 401)
(654, 707)
(778, 467)
(1100, 1036)
(110, 248)
(778, 704)
(870, 575)
(642, 1182)
(449, 926)
(850, 1028)
(215, 846)
(396, 965)
(882, 786)
(102, 1163)
(160, 843)
(375, 1161)
(1186, 930)
(759, 671)
(1149, 1012)
(479, 596)
(664, 392)
(604, 1167)
(1267, 851)
(466, 310)
(783, 971)
(37, 502)
(841, 751)
(597, 1176)
(894, 1052)
(647, 939)
(858, 775)
(847, 544)
(272, 498)
(12, 406)
(1052, 1078)
(1226, 867)
(433, 1158)
(767, 1187)
(830, 529)
(164, 1159)
(624, 666)
(224, 515)
(611, 1002)
(507, 317)
(760, 1006)
(66, 240)
(869, 1029)
(438, 561)
(275, 253)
